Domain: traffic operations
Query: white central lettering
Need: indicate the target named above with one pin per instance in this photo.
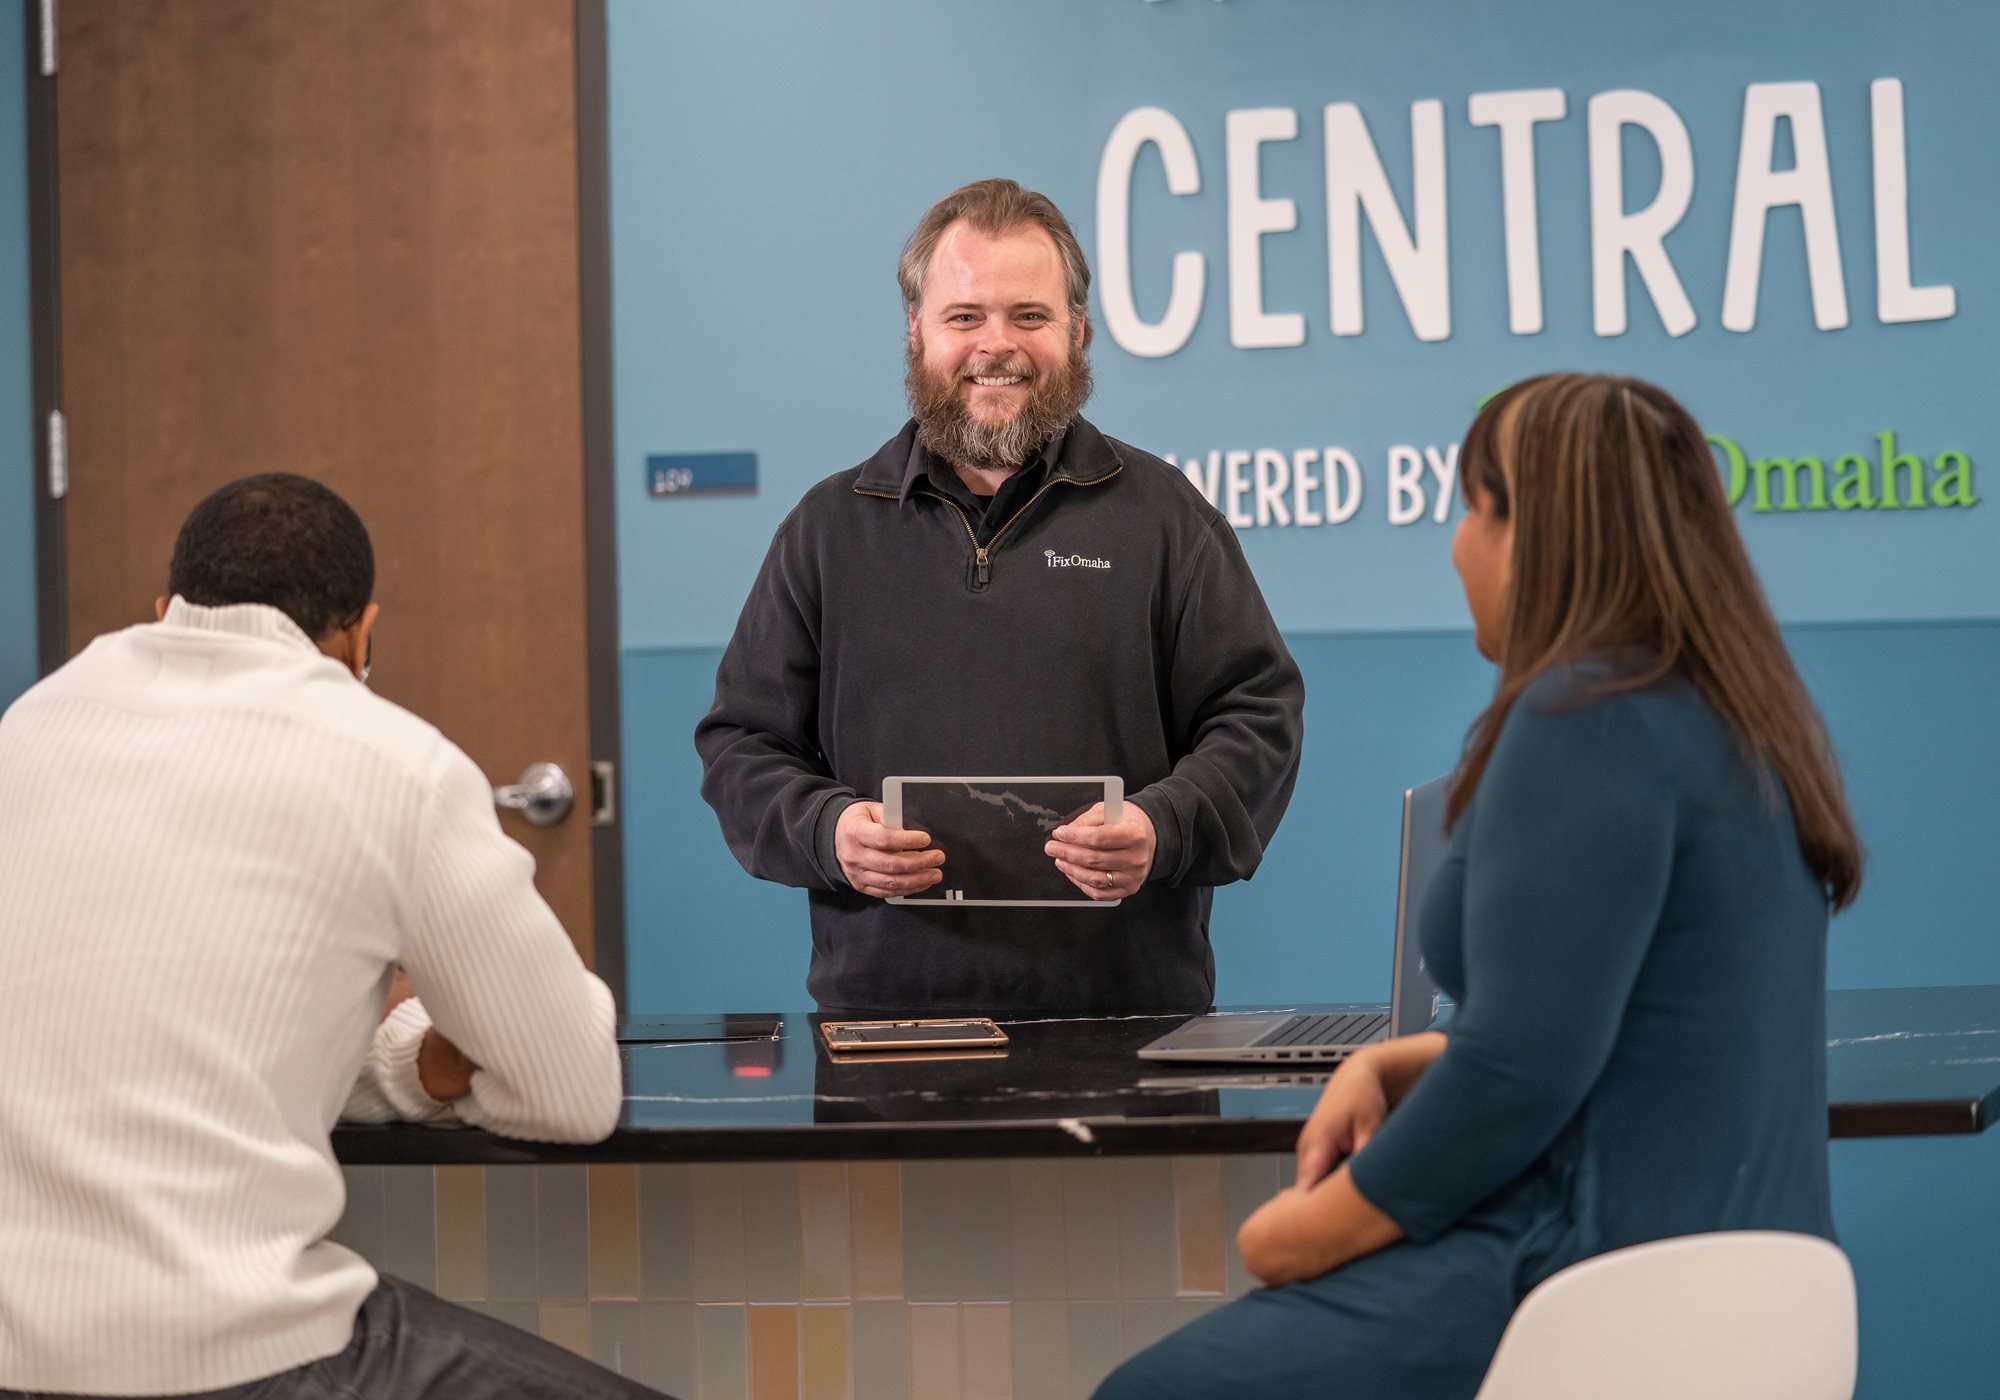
(1415, 246)
(1135, 130)
(1251, 216)
(1516, 113)
(1615, 234)
(1896, 301)
(1760, 189)
(1419, 263)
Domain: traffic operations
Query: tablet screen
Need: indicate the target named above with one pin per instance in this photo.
(992, 831)
(662, 1030)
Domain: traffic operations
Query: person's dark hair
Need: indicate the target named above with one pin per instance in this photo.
(282, 540)
(1623, 543)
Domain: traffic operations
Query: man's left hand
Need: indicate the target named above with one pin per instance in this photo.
(400, 991)
(1106, 860)
(443, 1069)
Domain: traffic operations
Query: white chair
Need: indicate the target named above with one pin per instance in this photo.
(1739, 1315)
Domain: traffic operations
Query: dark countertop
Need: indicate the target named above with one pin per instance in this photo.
(1901, 1061)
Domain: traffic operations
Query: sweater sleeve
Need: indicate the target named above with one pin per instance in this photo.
(1566, 872)
(1238, 703)
(390, 1086)
(762, 768)
(501, 980)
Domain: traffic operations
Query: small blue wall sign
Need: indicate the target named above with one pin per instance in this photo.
(701, 474)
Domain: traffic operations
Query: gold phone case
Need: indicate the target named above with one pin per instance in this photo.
(989, 1035)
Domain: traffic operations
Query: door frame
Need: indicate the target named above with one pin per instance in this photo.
(45, 334)
(600, 541)
(600, 482)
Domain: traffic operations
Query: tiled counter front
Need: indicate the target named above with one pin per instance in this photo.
(828, 1280)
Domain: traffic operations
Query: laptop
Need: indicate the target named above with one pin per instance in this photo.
(1321, 1037)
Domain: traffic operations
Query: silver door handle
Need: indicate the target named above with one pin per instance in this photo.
(543, 796)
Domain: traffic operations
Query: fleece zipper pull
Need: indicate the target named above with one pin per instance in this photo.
(984, 561)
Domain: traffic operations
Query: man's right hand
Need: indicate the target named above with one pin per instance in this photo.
(883, 860)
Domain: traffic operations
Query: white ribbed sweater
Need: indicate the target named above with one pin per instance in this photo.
(214, 847)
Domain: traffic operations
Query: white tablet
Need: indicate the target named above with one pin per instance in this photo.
(992, 831)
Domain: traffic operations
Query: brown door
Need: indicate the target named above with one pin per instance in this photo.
(340, 237)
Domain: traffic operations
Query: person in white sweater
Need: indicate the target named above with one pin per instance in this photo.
(217, 846)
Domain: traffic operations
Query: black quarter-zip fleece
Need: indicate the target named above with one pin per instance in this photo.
(1107, 624)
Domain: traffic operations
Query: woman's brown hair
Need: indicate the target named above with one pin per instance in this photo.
(1624, 546)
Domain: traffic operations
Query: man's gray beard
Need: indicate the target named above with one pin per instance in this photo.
(947, 429)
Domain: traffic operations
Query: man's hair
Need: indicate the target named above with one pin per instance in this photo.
(996, 207)
(281, 540)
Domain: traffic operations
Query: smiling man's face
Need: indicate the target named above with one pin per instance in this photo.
(996, 362)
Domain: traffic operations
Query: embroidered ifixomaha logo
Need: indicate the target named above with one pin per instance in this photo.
(1074, 561)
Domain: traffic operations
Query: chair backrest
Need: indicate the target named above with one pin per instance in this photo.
(1738, 1315)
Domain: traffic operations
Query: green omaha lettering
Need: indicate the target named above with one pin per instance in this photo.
(1854, 484)
(1900, 475)
(1913, 472)
(1738, 465)
(1958, 480)
(1791, 467)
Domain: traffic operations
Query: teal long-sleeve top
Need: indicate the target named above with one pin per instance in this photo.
(1638, 951)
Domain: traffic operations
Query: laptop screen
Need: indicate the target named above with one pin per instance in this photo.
(1414, 997)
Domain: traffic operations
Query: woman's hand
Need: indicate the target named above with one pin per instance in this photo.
(1323, 1221)
(1278, 1242)
(1358, 1097)
(1350, 1109)
(1300, 1234)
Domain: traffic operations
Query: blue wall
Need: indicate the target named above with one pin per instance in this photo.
(17, 466)
(768, 160)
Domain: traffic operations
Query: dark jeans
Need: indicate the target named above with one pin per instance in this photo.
(409, 1343)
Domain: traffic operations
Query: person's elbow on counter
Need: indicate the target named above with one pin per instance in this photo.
(556, 1086)
(587, 1117)
(595, 1114)
(574, 1108)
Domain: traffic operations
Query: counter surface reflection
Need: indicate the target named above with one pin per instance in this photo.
(1900, 1062)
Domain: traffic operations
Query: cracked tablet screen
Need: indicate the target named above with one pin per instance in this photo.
(992, 834)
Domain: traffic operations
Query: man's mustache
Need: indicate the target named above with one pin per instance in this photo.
(987, 369)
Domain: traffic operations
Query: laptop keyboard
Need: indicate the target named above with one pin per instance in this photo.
(1331, 1028)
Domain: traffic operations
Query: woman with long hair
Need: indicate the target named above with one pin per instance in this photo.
(1647, 837)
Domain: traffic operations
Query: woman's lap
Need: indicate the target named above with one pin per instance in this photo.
(1412, 1322)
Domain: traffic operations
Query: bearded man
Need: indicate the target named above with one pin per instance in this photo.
(1002, 589)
